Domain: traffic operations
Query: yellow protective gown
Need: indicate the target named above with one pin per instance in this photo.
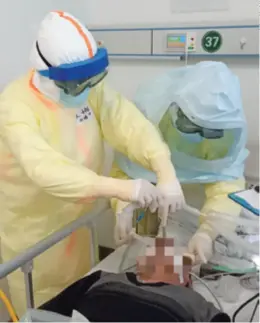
(216, 200)
(216, 194)
(49, 176)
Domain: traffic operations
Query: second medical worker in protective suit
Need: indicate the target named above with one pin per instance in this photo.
(52, 124)
(198, 109)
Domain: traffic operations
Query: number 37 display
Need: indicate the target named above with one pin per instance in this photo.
(211, 41)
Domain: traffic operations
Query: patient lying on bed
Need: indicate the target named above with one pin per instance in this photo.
(165, 263)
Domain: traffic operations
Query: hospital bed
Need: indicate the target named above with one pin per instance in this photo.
(24, 261)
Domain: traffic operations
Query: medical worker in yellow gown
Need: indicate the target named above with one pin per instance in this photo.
(52, 125)
(198, 110)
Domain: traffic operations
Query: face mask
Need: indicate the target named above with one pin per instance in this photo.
(70, 101)
(192, 137)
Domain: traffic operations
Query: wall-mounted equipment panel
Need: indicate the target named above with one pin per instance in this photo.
(123, 42)
(227, 42)
(193, 40)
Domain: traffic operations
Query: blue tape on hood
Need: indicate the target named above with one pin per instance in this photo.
(79, 70)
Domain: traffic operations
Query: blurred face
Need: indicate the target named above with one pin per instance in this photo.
(164, 263)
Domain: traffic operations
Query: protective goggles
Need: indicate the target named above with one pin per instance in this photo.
(83, 71)
(184, 125)
(75, 88)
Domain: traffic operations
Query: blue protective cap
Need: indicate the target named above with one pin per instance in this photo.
(79, 70)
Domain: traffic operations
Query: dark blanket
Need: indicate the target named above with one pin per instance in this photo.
(108, 297)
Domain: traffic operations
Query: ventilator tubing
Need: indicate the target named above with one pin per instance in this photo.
(224, 224)
(231, 236)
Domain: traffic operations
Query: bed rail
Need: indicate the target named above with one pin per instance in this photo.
(25, 259)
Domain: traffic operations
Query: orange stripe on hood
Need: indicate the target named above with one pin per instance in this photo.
(79, 29)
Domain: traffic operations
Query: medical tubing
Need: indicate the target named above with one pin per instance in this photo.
(250, 281)
(254, 311)
(246, 276)
(131, 208)
(8, 306)
(209, 289)
(216, 222)
(141, 239)
(251, 299)
(196, 277)
(232, 236)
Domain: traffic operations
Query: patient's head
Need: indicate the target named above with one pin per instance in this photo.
(163, 262)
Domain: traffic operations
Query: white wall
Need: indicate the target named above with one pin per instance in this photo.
(105, 12)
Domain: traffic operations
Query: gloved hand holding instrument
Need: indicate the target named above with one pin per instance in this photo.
(138, 191)
(170, 188)
(170, 199)
(173, 199)
(124, 225)
(201, 244)
(147, 196)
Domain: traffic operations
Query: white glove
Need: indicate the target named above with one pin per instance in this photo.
(201, 245)
(146, 195)
(173, 200)
(123, 228)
